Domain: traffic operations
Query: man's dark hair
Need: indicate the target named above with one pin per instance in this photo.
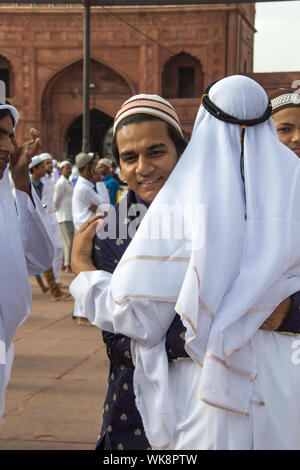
(179, 142)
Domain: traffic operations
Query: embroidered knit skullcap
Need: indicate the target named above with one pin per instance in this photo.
(14, 113)
(284, 98)
(148, 104)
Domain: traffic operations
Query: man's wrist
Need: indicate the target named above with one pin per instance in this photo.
(22, 185)
(81, 266)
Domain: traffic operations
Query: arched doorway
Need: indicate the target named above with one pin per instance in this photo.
(61, 107)
(6, 75)
(100, 123)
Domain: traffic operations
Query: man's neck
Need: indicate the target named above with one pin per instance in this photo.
(36, 179)
(85, 177)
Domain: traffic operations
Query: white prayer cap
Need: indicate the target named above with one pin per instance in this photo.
(45, 156)
(62, 164)
(14, 113)
(106, 161)
(36, 160)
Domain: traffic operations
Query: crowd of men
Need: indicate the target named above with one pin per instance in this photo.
(70, 195)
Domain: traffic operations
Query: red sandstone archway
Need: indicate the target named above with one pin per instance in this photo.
(100, 124)
(62, 101)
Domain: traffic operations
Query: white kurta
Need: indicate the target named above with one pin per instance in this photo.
(84, 196)
(274, 421)
(63, 199)
(48, 201)
(26, 248)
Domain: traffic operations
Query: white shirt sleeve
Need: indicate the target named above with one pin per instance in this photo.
(92, 197)
(37, 244)
(140, 319)
(146, 323)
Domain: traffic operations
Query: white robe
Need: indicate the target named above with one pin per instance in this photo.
(48, 200)
(25, 248)
(274, 421)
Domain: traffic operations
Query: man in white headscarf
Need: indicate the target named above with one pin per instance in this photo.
(25, 245)
(225, 275)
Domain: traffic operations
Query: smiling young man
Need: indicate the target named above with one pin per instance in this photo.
(147, 156)
(25, 245)
(147, 144)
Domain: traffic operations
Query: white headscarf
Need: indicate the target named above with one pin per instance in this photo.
(246, 266)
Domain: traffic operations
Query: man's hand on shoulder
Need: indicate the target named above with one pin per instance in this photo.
(81, 257)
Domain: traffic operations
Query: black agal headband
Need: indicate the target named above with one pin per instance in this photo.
(219, 114)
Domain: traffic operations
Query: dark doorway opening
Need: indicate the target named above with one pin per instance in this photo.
(99, 125)
(186, 82)
(4, 76)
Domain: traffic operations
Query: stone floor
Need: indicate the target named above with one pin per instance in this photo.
(58, 383)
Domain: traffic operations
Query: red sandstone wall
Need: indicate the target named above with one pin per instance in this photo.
(44, 46)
